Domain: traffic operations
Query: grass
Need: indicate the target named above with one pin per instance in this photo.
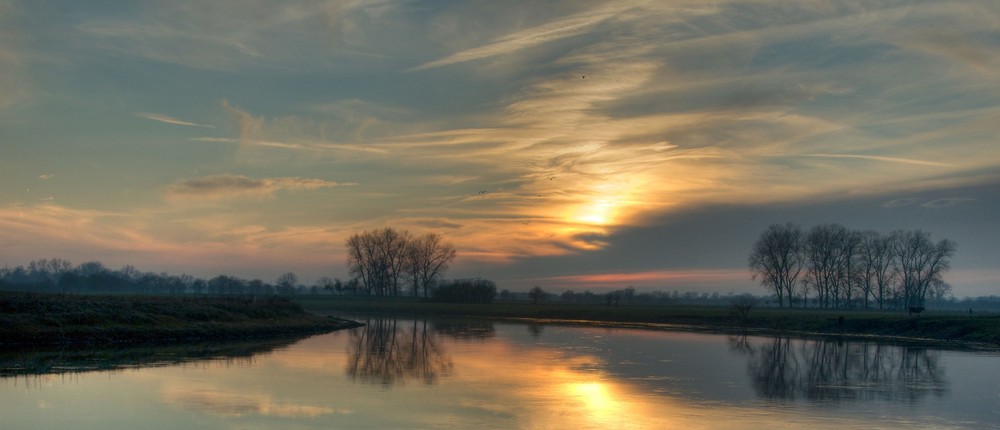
(48, 359)
(48, 319)
(981, 330)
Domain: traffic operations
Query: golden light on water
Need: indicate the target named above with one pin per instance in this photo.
(597, 400)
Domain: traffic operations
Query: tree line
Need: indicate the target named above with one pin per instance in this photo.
(381, 262)
(844, 268)
(61, 276)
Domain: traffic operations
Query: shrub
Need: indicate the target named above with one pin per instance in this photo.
(466, 291)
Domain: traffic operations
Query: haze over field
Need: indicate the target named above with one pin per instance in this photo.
(570, 144)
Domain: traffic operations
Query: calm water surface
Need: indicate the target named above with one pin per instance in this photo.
(402, 374)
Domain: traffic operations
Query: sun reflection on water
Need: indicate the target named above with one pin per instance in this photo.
(596, 398)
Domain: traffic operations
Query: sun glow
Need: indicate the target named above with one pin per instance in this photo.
(601, 212)
(603, 206)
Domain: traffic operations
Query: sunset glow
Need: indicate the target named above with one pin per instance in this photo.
(544, 141)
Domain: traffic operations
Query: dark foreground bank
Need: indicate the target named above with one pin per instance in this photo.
(979, 330)
(48, 319)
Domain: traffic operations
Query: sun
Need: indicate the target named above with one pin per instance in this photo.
(598, 213)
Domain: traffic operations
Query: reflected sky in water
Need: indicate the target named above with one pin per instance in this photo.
(440, 374)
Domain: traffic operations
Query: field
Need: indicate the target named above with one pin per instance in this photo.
(81, 319)
(981, 330)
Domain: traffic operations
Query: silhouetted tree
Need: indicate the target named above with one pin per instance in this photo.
(776, 260)
(287, 282)
(427, 258)
(257, 288)
(829, 249)
(466, 291)
(378, 259)
(537, 294)
(920, 264)
(876, 256)
(740, 306)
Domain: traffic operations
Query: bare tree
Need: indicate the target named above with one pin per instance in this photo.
(256, 288)
(920, 264)
(377, 258)
(537, 294)
(427, 258)
(327, 284)
(876, 274)
(819, 262)
(740, 307)
(829, 252)
(287, 282)
(776, 260)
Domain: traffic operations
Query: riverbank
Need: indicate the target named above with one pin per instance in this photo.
(51, 319)
(959, 329)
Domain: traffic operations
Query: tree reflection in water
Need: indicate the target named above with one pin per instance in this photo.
(388, 352)
(835, 370)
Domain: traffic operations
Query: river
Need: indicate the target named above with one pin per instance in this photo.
(462, 374)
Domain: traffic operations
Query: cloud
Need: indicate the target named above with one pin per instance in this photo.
(652, 278)
(564, 27)
(236, 35)
(291, 133)
(658, 126)
(898, 203)
(169, 120)
(883, 159)
(218, 187)
(946, 202)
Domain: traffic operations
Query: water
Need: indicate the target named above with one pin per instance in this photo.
(403, 374)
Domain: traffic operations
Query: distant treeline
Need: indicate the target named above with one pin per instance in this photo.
(60, 276)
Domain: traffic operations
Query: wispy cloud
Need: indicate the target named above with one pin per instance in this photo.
(169, 120)
(924, 203)
(565, 27)
(234, 35)
(566, 122)
(947, 202)
(618, 132)
(883, 159)
(292, 133)
(902, 202)
(653, 278)
(237, 186)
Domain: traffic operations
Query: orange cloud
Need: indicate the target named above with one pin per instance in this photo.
(652, 277)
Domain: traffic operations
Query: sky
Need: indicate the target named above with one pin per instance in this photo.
(580, 145)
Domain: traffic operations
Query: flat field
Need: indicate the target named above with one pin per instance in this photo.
(92, 319)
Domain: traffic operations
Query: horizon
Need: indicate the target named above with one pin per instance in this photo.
(571, 145)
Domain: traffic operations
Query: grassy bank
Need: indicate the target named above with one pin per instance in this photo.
(959, 328)
(45, 319)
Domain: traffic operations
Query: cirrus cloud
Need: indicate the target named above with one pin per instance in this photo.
(221, 187)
